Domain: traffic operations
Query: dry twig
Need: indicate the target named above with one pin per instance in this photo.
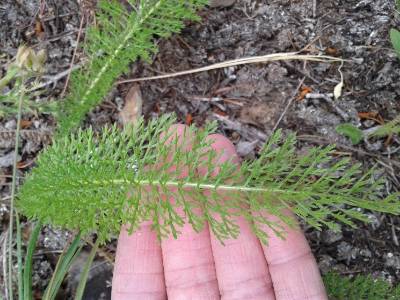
(243, 61)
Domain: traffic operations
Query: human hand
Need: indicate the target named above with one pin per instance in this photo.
(198, 266)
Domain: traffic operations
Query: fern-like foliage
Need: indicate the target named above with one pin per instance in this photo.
(120, 38)
(360, 287)
(392, 127)
(82, 182)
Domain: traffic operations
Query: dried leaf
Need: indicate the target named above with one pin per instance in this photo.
(259, 114)
(332, 51)
(25, 124)
(303, 92)
(371, 116)
(39, 31)
(189, 119)
(337, 92)
(133, 106)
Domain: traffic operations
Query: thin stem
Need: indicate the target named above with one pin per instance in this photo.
(85, 271)
(71, 66)
(13, 188)
(202, 186)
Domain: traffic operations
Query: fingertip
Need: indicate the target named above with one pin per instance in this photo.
(178, 128)
(176, 131)
(224, 148)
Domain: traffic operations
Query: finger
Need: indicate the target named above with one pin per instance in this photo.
(294, 271)
(188, 262)
(138, 271)
(242, 270)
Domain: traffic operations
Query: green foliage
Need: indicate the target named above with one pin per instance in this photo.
(9, 102)
(395, 39)
(350, 131)
(64, 263)
(119, 39)
(22, 76)
(85, 271)
(360, 287)
(392, 127)
(27, 276)
(82, 182)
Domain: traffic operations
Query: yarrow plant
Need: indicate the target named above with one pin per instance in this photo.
(82, 182)
(121, 38)
(83, 179)
(95, 182)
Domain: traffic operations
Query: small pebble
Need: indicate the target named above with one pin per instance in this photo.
(11, 125)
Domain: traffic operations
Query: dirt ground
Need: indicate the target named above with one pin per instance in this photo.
(248, 101)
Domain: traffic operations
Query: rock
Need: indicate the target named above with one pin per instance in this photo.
(374, 221)
(54, 239)
(347, 252)
(392, 261)
(258, 114)
(283, 40)
(366, 253)
(245, 148)
(325, 263)
(11, 125)
(8, 160)
(276, 73)
(329, 236)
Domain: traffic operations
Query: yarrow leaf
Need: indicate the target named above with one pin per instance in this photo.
(97, 182)
(120, 38)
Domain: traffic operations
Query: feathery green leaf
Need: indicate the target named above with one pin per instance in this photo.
(360, 287)
(82, 182)
(392, 127)
(120, 38)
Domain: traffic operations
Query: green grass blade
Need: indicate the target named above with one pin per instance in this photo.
(28, 262)
(19, 259)
(395, 39)
(85, 271)
(64, 263)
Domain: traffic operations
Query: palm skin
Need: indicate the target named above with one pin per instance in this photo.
(198, 266)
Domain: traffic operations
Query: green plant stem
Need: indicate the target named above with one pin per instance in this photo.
(13, 189)
(203, 186)
(28, 262)
(85, 271)
(117, 51)
(19, 257)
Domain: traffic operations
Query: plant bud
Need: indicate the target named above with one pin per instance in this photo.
(23, 58)
(27, 59)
